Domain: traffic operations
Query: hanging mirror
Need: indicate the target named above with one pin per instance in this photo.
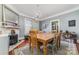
(11, 18)
(0, 12)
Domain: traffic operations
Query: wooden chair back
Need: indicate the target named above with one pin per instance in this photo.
(58, 39)
(33, 37)
(40, 32)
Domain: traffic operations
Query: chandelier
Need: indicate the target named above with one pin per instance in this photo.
(37, 12)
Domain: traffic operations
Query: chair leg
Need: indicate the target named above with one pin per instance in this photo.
(38, 48)
(55, 50)
(32, 49)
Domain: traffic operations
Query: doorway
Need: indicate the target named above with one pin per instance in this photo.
(55, 25)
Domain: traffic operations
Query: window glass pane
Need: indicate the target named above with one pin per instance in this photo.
(10, 15)
(0, 12)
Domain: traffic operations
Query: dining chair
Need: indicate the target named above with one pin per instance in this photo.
(35, 45)
(55, 44)
(40, 32)
(58, 37)
(52, 47)
(33, 38)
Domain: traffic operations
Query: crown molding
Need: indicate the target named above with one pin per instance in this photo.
(20, 14)
(59, 14)
(62, 13)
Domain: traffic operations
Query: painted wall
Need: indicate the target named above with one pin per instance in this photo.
(64, 22)
(21, 25)
(35, 25)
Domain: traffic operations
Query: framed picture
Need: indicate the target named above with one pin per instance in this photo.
(72, 23)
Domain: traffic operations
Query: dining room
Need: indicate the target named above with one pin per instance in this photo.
(39, 29)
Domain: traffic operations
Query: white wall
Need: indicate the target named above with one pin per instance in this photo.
(64, 22)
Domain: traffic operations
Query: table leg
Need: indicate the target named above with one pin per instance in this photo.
(38, 48)
(45, 48)
(29, 43)
(58, 45)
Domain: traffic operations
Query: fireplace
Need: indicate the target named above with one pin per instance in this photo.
(13, 39)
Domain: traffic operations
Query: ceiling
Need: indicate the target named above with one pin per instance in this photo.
(45, 10)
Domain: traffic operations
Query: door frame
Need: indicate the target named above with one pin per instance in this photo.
(54, 21)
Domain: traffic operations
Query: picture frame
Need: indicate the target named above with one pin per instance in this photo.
(72, 23)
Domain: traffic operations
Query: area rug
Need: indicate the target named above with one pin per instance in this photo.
(64, 50)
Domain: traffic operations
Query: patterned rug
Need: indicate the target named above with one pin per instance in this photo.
(64, 50)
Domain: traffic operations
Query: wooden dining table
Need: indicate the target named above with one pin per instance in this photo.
(44, 38)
